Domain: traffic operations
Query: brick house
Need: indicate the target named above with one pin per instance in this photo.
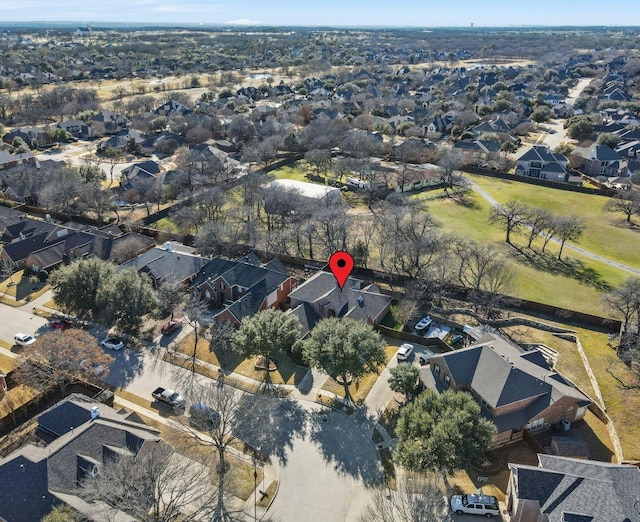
(243, 288)
(320, 297)
(516, 388)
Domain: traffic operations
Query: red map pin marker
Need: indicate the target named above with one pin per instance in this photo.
(341, 264)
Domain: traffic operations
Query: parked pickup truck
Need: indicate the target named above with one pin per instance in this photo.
(170, 397)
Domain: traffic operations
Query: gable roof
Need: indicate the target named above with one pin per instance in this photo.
(543, 154)
(321, 290)
(167, 265)
(502, 373)
(33, 477)
(565, 486)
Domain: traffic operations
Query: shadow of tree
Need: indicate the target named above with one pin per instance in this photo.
(346, 445)
(270, 423)
(568, 267)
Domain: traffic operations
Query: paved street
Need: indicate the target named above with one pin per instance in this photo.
(16, 320)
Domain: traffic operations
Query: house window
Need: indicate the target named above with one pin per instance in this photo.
(603, 170)
(436, 368)
(447, 380)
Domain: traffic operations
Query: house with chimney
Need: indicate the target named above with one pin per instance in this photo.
(517, 389)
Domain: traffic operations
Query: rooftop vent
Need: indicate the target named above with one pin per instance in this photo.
(95, 412)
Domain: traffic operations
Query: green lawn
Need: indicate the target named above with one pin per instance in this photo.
(576, 283)
(298, 173)
(606, 234)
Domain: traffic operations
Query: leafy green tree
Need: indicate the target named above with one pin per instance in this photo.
(76, 286)
(126, 298)
(541, 114)
(268, 334)
(579, 127)
(405, 378)
(442, 432)
(344, 348)
(609, 139)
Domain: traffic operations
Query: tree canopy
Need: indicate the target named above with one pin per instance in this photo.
(92, 289)
(58, 358)
(442, 432)
(269, 333)
(404, 379)
(344, 348)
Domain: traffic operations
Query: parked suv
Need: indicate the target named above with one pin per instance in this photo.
(475, 505)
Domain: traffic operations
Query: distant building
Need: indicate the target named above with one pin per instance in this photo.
(309, 191)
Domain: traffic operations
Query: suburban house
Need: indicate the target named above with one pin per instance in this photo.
(320, 297)
(310, 192)
(122, 139)
(407, 177)
(107, 122)
(78, 437)
(163, 264)
(603, 161)
(143, 176)
(516, 388)
(244, 287)
(104, 243)
(172, 108)
(8, 160)
(540, 162)
(77, 129)
(34, 137)
(562, 489)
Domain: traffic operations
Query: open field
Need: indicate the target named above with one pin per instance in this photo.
(575, 282)
(606, 234)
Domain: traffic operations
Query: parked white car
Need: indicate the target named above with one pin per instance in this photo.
(475, 505)
(112, 343)
(404, 351)
(23, 339)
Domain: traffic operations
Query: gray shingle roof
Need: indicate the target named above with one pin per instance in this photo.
(581, 488)
(30, 475)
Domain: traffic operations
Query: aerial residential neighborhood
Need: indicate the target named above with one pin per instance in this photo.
(304, 273)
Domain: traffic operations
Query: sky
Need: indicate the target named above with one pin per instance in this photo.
(359, 13)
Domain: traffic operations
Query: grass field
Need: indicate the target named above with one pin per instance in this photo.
(575, 283)
(605, 234)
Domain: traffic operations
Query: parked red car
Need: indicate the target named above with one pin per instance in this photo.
(61, 324)
(171, 326)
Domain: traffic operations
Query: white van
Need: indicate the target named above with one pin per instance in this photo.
(357, 183)
(475, 505)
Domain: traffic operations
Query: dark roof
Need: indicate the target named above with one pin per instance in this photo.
(501, 373)
(542, 153)
(167, 265)
(582, 488)
(31, 475)
(306, 316)
(604, 153)
(322, 290)
(213, 269)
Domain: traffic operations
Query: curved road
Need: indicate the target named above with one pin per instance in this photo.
(597, 257)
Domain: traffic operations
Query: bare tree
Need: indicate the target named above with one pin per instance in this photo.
(417, 499)
(223, 417)
(568, 228)
(156, 485)
(625, 300)
(511, 216)
(57, 358)
(627, 203)
(537, 220)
